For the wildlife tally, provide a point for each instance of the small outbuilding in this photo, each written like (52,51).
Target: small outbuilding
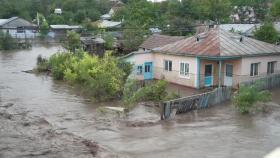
(93,45)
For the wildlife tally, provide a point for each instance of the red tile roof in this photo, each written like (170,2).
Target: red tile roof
(218,42)
(159,40)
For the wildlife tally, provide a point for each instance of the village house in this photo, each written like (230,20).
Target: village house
(60,31)
(19,28)
(212,58)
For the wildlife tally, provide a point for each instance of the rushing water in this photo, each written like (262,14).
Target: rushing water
(218,132)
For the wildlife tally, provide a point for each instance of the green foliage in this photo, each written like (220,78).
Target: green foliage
(109,41)
(44,28)
(7,42)
(102,77)
(54,19)
(218,10)
(133,37)
(155,91)
(275,9)
(247,96)
(267,33)
(72,41)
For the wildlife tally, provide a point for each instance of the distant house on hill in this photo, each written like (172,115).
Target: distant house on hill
(19,28)
(212,58)
(106,24)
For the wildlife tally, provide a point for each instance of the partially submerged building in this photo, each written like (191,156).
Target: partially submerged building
(59,31)
(19,28)
(212,58)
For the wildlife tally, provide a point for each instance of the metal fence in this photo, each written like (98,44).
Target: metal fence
(199,101)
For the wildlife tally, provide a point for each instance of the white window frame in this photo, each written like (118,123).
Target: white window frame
(169,69)
(138,70)
(274,64)
(185,74)
(254,68)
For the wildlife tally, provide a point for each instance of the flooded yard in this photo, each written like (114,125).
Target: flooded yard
(40,117)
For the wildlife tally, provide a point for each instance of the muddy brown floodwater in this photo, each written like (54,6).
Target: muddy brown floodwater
(40,117)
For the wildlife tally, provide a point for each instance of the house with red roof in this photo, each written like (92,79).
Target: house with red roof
(213,58)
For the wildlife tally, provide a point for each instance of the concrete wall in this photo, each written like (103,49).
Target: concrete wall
(241,68)
(236,70)
(158,66)
(263,60)
(174,75)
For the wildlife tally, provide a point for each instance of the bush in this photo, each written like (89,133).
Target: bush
(102,77)
(247,96)
(152,92)
(7,42)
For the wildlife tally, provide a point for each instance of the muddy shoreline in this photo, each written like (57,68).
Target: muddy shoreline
(24,135)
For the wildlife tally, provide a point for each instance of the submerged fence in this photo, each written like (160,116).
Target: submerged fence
(199,101)
(267,82)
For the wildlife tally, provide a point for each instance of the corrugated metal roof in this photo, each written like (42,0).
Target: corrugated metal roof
(156,40)
(65,26)
(108,24)
(218,42)
(5,21)
(242,28)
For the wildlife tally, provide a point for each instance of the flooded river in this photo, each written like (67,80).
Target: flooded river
(40,117)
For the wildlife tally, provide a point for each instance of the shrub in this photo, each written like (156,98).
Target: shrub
(102,77)
(247,96)
(152,92)
(7,42)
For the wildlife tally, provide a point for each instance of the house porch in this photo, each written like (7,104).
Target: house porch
(217,72)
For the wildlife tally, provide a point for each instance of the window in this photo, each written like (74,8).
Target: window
(139,70)
(254,69)
(147,68)
(271,67)
(167,65)
(229,70)
(184,69)
(20,30)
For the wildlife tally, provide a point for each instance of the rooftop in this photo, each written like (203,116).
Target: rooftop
(108,24)
(240,28)
(218,42)
(65,26)
(156,40)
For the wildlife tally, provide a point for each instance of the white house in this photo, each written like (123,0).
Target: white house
(19,28)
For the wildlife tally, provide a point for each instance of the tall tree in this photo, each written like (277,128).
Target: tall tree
(275,9)
(267,33)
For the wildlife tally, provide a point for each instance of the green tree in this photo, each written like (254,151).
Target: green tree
(109,41)
(218,10)
(72,41)
(44,29)
(267,33)
(54,19)
(7,42)
(275,9)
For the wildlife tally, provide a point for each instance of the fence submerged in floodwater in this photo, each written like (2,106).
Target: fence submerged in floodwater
(268,82)
(218,95)
(199,101)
